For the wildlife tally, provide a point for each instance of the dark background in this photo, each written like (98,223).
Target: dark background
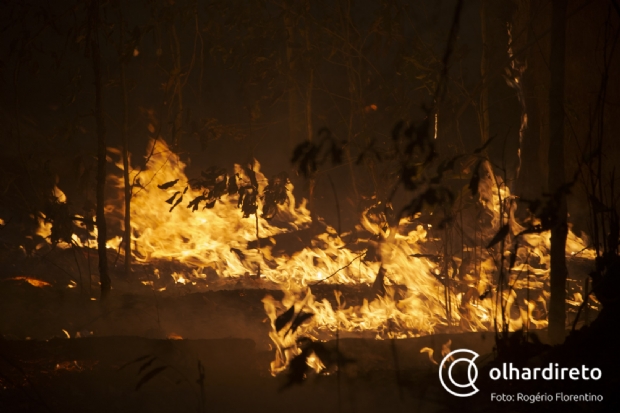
(243,71)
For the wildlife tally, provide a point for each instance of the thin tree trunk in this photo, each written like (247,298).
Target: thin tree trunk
(295,132)
(125,141)
(309,104)
(559,231)
(292,98)
(177,132)
(354,103)
(529,184)
(309,130)
(499,107)
(310,85)
(104,279)
(484,74)
(312,180)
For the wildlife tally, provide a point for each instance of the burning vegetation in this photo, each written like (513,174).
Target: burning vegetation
(227,226)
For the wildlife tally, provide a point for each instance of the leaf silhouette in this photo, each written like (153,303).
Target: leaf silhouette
(484,146)
(501,234)
(247,199)
(194,203)
(485,294)
(150,375)
(305,155)
(299,320)
(168,184)
(171,199)
(139,359)
(176,203)
(239,253)
(275,194)
(300,150)
(378,286)
(232,185)
(447,165)
(284,318)
(252,175)
(298,368)
(475,179)
(308,156)
(147,364)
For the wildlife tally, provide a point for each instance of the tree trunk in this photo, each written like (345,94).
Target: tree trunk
(557,305)
(293,123)
(354,104)
(309,130)
(529,184)
(125,140)
(484,75)
(499,105)
(177,125)
(309,105)
(104,279)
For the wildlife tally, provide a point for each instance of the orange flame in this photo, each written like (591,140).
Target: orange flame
(422,295)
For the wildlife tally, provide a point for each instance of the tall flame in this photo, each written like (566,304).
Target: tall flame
(202,239)
(419,292)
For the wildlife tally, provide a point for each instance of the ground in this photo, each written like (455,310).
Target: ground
(143,351)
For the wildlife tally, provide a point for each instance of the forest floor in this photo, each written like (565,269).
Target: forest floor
(132,374)
(62,350)
(98,375)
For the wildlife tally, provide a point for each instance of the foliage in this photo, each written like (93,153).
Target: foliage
(308,156)
(216,183)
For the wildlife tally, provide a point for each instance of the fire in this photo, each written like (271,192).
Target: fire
(205,240)
(32,281)
(419,295)
(414,289)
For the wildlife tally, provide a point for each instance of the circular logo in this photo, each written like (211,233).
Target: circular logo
(472,373)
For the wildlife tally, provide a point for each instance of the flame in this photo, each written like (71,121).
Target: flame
(59,195)
(205,240)
(430,353)
(32,281)
(422,291)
